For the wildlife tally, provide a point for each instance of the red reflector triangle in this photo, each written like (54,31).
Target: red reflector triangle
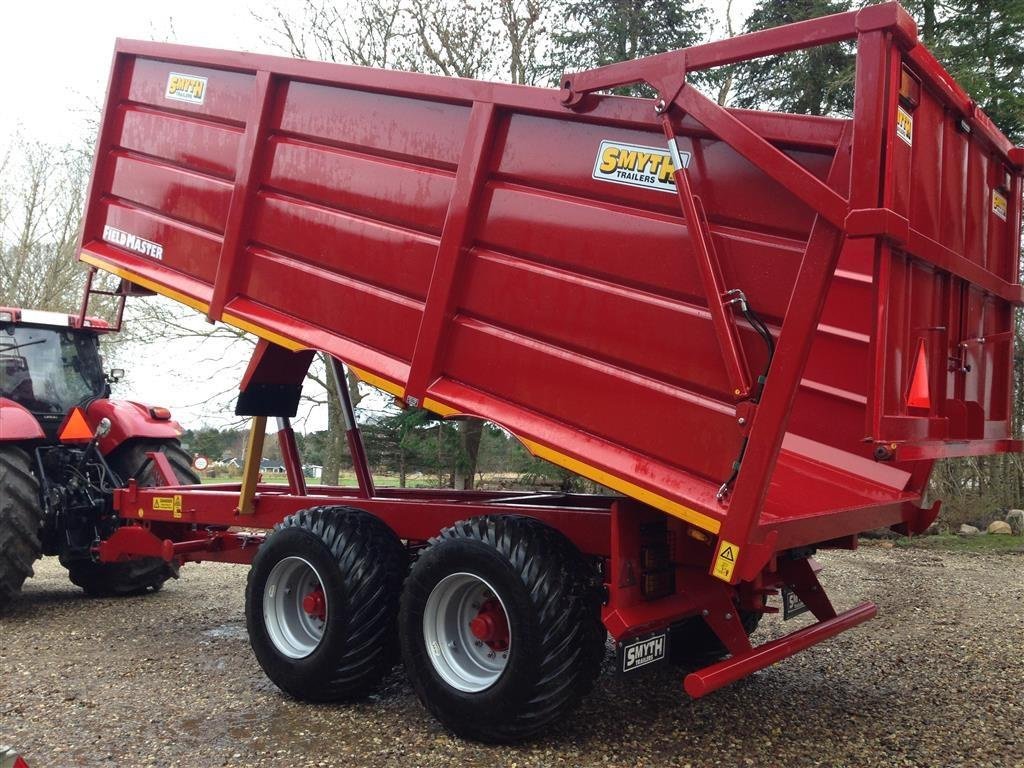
(75,427)
(919,396)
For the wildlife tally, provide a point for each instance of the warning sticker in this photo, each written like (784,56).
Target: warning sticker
(905,126)
(726,560)
(999,204)
(637,166)
(170,504)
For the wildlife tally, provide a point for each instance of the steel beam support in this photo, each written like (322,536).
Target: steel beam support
(709,679)
(290,456)
(792,351)
(249,164)
(251,466)
(455,236)
(353,437)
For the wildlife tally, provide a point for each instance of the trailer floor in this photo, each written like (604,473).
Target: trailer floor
(168,680)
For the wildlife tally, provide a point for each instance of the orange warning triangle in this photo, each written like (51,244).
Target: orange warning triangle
(727,554)
(919,397)
(75,428)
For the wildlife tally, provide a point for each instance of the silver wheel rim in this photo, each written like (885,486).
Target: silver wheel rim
(457,655)
(293,630)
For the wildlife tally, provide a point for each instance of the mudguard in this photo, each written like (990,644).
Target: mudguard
(17,423)
(128,420)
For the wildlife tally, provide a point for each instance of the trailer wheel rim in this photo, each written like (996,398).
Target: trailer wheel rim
(295,607)
(467,644)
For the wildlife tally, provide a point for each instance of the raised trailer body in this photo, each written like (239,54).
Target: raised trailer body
(760,328)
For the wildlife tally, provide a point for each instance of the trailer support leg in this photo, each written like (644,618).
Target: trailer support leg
(290,456)
(352,434)
(251,468)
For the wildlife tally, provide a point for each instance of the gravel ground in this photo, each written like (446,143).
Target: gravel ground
(169,680)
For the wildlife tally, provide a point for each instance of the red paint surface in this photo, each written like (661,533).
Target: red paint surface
(16,423)
(448,236)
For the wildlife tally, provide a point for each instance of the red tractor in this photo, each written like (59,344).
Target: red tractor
(56,488)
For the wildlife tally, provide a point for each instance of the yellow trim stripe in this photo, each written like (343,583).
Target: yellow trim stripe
(673,508)
(439,408)
(124,274)
(263,333)
(197,305)
(548,454)
(606,479)
(376,381)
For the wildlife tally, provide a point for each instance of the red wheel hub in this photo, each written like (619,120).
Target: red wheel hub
(490,625)
(315,604)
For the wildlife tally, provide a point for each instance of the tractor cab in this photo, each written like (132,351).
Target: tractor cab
(50,362)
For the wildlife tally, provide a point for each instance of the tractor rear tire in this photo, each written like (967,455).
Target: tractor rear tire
(321,603)
(500,627)
(127,460)
(20,518)
(147,574)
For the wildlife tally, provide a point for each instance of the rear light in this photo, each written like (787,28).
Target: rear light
(910,89)
(658,584)
(919,396)
(160,414)
(6,317)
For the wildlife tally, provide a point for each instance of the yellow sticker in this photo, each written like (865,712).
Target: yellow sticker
(725,563)
(188,88)
(999,204)
(637,166)
(905,126)
(170,504)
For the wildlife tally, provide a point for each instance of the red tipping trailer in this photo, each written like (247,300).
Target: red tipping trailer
(761,328)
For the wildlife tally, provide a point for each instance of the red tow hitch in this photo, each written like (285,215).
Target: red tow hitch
(315,604)
(490,625)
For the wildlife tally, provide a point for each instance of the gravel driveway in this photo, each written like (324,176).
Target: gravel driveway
(169,680)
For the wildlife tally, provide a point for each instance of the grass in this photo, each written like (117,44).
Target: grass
(948,542)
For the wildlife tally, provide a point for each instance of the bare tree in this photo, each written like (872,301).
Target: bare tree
(456,40)
(41,196)
(522,21)
(375,33)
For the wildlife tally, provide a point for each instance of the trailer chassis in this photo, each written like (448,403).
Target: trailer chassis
(225,523)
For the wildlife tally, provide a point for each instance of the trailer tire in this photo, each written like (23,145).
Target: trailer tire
(553,638)
(357,564)
(142,575)
(20,518)
(692,642)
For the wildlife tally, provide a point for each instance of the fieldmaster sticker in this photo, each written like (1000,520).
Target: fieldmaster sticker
(637,166)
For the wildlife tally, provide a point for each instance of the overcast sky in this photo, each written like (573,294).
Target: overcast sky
(55,58)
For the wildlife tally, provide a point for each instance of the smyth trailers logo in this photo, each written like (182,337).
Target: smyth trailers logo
(188,88)
(637,166)
(642,652)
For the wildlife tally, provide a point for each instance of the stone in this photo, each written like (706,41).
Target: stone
(1015,517)
(1000,527)
(968,530)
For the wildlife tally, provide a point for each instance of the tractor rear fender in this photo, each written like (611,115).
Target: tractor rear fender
(17,423)
(130,420)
